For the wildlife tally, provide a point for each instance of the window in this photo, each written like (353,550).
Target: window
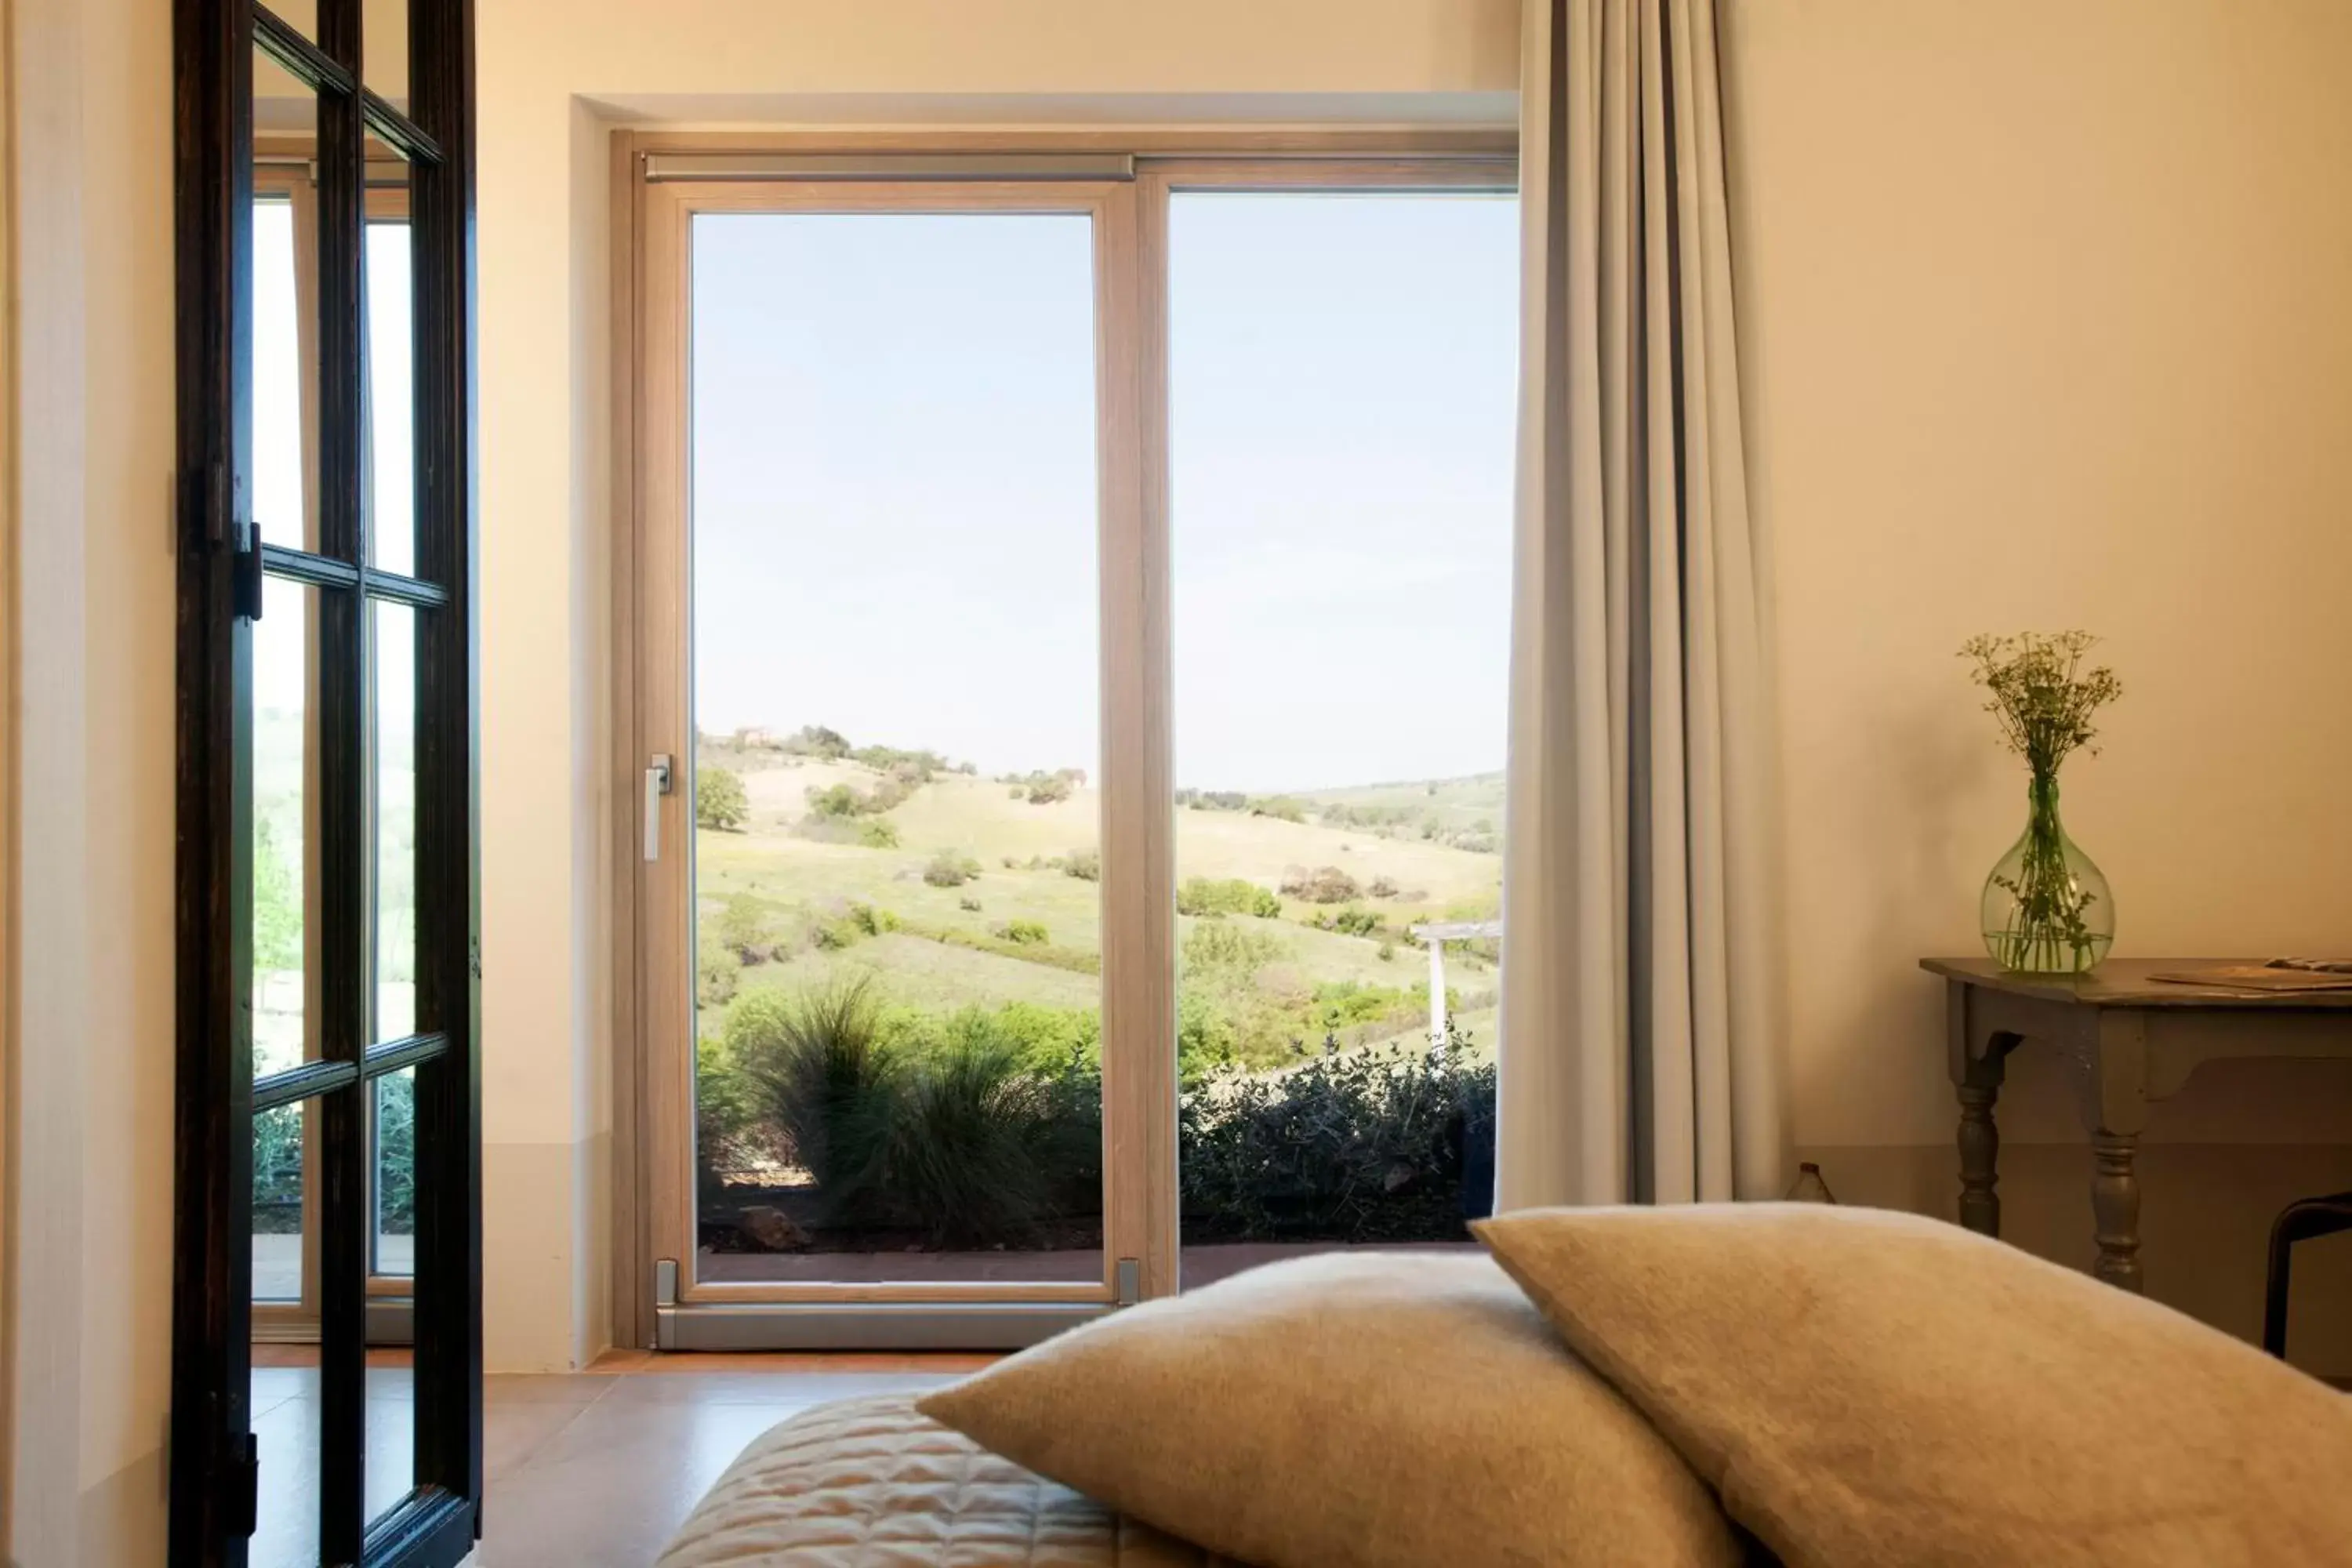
(1070,649)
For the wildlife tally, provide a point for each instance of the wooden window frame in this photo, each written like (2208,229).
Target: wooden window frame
(653,1185)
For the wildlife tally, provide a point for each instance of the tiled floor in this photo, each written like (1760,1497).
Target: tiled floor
(588,1468)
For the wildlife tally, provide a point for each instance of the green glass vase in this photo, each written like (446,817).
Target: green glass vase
(2047,908)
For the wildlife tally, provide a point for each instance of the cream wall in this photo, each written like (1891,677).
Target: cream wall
(89,1016)
(2043,325)
(2046,321)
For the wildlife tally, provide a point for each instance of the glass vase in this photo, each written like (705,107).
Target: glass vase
(2046,907)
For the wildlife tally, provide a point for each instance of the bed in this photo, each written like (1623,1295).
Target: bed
(871,1483)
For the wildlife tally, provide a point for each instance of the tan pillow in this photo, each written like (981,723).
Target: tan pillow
(1385,1408)
(1871,1388)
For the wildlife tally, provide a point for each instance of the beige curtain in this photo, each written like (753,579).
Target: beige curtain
(1639,1057)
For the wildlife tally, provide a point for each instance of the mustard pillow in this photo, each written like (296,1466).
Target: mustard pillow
(1397,1410)
(1862,1386)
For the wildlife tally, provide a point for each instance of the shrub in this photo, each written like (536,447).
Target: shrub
(871,921)
(836,800)
(1049,790)
(960,1159)
(1279,807)
(908,767)
(940,1124)
(816,740)
(1024,933)
(744,929)
(278,1171)
(1071,959)
(878,834)
(969,905)
(720,801)
(395,1153)
(820,1077)
(1050,1038)
(1086,864)
(950,869)
(1214,952)
(1382,888)
(1228,896)
(977,1128)
(728,1133)
(1356,921)
(1212,799)
(1324,885)
(1345,1004)
(842,801)
(1351,1147)
(717,972)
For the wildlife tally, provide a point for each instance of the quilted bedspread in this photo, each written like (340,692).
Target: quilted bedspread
(869,1483)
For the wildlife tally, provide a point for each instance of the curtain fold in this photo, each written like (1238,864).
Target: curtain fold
(1639,1042)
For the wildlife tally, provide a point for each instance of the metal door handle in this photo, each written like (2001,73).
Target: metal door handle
(657,785)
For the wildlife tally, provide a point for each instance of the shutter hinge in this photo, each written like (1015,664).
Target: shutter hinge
(205,507)
(1130,1281)
(245,574)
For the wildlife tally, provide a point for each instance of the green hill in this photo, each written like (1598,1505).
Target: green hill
(954,890)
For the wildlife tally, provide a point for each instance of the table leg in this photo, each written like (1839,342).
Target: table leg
(1976,1068)
(2114,1206)
(1980,1158)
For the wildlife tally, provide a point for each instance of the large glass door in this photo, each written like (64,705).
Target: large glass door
(890,533)
(1070,623)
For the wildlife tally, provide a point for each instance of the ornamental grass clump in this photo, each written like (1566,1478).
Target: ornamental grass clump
(2046,908)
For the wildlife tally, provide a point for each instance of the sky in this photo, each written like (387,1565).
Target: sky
(893,483)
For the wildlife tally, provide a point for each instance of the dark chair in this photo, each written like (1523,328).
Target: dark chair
(2299,1221)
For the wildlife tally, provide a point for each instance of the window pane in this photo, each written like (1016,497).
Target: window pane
(285,824)
(897,926)
(394,1238)
(278,1161)
(391,1372)
(392,408)
(284,397)
(1343,378)
(392,813)
(285,1416)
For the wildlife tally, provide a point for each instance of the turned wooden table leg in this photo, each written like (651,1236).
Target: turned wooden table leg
(1980,1158)
(2115,1207)
(1976,1066)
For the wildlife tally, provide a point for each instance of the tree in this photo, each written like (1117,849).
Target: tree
(719,799)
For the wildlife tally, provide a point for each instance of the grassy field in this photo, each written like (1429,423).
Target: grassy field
(1024,930)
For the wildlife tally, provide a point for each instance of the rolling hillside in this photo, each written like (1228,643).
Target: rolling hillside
(809,897)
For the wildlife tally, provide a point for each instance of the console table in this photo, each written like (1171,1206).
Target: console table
(2127,1041)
